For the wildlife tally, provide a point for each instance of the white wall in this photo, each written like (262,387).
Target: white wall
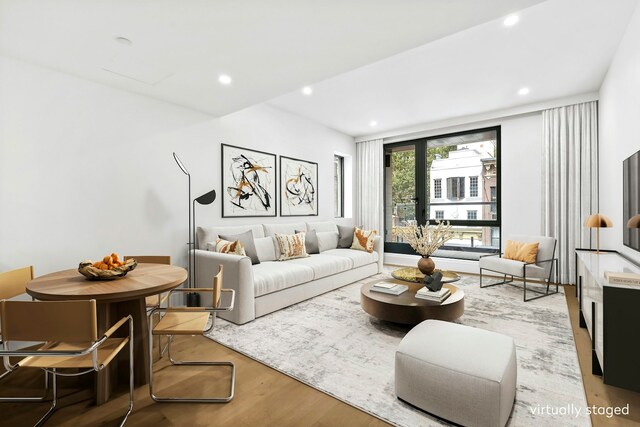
(619,130)
(86,169)
(521,183)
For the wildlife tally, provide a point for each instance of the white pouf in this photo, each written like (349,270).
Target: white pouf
(462,374)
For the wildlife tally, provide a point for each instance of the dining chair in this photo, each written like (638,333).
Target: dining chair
(69,335)
(191,321)
(12,284)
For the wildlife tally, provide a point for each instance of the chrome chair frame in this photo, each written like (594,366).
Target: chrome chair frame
(5,353)
(211,310)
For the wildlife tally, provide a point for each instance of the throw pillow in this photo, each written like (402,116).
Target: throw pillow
(519,251)
(363,239)
(291,246)
(310,241)
(227,247)
(345,236)
(246,239)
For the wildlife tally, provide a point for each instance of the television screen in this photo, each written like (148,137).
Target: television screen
(631,206)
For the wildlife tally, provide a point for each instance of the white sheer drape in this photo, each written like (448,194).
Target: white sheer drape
(570,179)
(369,185)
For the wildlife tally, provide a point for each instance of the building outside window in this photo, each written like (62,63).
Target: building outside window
(439,214)
(338,186)
(437,188)
(472,214)
(473,186)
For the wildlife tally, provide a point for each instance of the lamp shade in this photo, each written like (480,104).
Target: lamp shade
(634,221)
(207,198)
(182,168)
(598,220)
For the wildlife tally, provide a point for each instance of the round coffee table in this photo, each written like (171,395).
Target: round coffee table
(406,308)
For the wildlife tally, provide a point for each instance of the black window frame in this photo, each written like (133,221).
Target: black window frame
(422,189)
(341,198)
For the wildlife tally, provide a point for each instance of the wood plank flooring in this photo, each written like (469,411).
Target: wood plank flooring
(264,397)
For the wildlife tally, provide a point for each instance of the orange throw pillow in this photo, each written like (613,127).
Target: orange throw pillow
(519,251)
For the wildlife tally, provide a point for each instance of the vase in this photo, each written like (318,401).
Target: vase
(426,265)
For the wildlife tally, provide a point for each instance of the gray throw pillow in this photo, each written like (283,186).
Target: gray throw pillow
(345,236)
(311,241)
(246,239)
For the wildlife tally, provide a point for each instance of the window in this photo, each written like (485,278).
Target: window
(455,188)
(338,186)
(437,188)
(473,186)
(453,177)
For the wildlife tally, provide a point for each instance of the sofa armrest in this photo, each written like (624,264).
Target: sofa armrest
(238,275)
(378,246)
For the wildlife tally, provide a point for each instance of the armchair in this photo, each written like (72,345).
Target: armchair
(541,270)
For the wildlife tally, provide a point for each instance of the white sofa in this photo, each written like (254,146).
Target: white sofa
(272,285)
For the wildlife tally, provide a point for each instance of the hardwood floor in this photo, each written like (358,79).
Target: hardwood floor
(264,397)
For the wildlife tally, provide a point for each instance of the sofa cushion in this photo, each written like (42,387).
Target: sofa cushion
(327,240)
(270,277)
(227,247)
(310,241)
(246,239)
(210,234)
(290,228)
(363,240)
(323,226)
(266,248)
(346,236)
(324,265)
(359,258)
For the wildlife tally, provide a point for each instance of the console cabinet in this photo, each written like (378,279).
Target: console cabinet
(611,314)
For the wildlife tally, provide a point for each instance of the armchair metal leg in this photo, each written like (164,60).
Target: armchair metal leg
(54,402)
(161,399)
(504,281)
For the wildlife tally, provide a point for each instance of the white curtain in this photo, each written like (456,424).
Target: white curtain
(570,179)
(369,185)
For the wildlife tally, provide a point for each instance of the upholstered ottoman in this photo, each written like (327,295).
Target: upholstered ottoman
(462,374)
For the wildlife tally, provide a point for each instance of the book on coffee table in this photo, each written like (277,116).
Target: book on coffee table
(389,288)
(437,296)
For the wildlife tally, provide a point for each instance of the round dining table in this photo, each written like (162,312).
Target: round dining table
(115,299)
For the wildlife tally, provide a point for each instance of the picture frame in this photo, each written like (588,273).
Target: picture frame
(248,182)
(298,187)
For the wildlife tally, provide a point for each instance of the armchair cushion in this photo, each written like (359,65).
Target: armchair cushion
(520,251)
(511,267)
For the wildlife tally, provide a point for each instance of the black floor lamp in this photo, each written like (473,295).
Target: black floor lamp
(193,298)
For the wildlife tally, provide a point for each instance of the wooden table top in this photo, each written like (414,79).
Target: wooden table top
(145,280)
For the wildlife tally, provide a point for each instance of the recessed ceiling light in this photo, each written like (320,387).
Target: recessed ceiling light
(373,123)
(307,90)
(224,79)
(123,40)
(523,91)
(511,20)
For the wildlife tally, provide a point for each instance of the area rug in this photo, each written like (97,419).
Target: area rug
(330,343)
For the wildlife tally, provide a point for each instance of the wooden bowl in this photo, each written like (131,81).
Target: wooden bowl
(92,273)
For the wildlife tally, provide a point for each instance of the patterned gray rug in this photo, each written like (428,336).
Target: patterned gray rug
(330,343)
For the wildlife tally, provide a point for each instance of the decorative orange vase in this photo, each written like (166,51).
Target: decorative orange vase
(426,265)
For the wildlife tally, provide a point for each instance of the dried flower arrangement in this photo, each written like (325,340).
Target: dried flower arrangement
(426,239)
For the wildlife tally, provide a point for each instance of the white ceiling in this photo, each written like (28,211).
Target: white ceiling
(268,47)
(398,62)
(558,48)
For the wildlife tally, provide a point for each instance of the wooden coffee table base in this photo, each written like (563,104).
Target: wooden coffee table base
(406,308)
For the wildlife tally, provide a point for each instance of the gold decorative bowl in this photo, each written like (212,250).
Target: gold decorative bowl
(87,269)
